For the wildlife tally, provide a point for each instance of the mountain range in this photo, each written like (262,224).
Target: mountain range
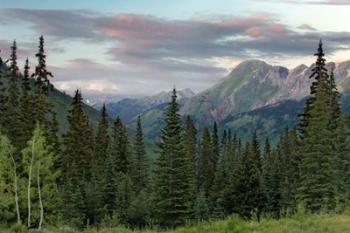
(254,96)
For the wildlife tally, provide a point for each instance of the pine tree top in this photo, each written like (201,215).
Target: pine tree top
(41,74)
(13,60)
(26,83)
(77,97)
(319,69)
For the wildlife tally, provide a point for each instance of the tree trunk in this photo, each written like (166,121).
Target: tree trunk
(29,181)
(40,200)
(16,189)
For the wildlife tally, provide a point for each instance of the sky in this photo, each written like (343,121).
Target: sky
(132,48)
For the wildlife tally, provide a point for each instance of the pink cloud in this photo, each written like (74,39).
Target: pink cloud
(277,28)
(254,32)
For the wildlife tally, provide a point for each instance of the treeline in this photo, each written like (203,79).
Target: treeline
(103,177)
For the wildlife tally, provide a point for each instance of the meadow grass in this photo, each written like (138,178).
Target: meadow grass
(300,223)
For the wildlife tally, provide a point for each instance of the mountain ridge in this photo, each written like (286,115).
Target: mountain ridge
(251,88)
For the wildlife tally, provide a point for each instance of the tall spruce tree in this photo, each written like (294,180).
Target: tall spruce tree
(140,160)
(190,143)
(102,137)
(26,104)
(13,124)
(2,92)
(77,156)
(43,86)
(319,71)
(317,179)
(120,147)
(172,183)
(206,164)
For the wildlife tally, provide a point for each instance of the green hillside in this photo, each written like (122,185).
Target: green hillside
(62,104)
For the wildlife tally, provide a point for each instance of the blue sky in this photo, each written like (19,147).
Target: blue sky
(141,47)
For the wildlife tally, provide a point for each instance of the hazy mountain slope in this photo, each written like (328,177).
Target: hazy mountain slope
(128,109)
(254,95)
(254,84)
(62,103)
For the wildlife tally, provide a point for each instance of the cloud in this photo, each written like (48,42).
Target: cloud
(145,50)
(307,27)
(117,80)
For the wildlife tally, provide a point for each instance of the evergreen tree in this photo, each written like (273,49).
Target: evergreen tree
(247,186)
(26,102)
(53,138)
(77,156)
(102,137)
(2,92)
(289,153)
(124,198)
(9,182)
(319,71)
(110,188)
(119,147)
(43,86)
(172,182)
(256,151)
(190,143)
(201,207)
(93,196)
(73,210)
(317,187)
(342,164)
(12,118)
(206,166)
(334,102)
(140,161)
(272,181)
(42,75)
(216,144)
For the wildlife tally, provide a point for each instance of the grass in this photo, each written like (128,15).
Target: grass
(301,223)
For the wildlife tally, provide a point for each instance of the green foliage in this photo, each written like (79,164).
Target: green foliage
(78,143)
(206,164)
(201,208)
(41,179)
(12,116)
(7,180)
(317,178)
(172,184)
(140,161)
(124,198)
(102,137)
(110,188)
(119,147)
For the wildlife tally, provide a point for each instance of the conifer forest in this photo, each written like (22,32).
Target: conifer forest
(185,116)
(101,175)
